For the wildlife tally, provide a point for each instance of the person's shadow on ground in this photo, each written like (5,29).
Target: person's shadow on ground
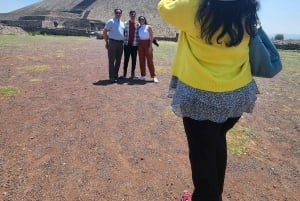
(128,81)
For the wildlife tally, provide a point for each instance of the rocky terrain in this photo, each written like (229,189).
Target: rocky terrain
(12,30)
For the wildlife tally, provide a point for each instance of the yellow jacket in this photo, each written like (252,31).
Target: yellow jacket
(215,67)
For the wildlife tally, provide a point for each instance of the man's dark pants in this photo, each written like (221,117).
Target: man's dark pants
(130,50)
(115,52)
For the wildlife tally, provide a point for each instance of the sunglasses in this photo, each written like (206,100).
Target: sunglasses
(132,14)
(118,13)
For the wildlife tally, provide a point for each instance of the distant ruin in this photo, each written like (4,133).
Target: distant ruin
(287,45)
(70,22)
(53,24)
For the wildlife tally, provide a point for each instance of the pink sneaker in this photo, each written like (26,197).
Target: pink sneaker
(186,196)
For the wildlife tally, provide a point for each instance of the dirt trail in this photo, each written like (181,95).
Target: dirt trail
(64,138)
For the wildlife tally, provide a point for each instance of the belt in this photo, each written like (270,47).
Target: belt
(118,41)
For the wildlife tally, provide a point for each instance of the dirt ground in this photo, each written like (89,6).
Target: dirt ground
(66,138)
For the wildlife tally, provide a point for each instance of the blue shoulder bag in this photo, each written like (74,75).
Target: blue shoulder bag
(264,57)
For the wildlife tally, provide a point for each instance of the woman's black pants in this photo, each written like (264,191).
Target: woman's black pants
(208,156)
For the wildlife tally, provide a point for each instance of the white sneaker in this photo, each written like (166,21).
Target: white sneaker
(155,79)
(142,78)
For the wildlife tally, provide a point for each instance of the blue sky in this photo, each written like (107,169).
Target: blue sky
(10,5)
(277,16)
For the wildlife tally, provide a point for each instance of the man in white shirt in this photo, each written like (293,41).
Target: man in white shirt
(113,35)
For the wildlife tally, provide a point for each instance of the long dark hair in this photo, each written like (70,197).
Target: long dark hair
(232,17)
(140,17)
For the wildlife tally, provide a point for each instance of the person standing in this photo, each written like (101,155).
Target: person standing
(212,81)
(113,35)
(145,49)
(130,43)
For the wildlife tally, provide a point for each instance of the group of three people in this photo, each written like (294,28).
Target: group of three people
(132,37)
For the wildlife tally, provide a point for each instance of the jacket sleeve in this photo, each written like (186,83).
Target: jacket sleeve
(179,13)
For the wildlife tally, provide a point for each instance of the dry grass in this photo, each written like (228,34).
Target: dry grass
(8,91)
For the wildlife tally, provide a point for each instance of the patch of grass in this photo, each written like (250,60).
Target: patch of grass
(165,51)
(35,80)
(24,57)
(290,59)
(172,119)
(59,53)
(28,40)
(168,113)
(291,62)
(290,73)
(163,69)
(34,33)
(66,67)
(18,41)
(8,91)
(240,141)
(35,68)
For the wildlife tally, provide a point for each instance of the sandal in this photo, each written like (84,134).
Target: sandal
(186,196)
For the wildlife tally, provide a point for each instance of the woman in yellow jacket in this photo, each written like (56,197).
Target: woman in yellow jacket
(212,81)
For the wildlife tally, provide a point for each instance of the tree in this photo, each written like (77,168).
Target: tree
(279,37)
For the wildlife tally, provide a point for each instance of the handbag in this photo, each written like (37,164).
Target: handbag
(155,42)
(264,58)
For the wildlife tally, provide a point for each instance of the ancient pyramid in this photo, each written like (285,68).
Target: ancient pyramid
(78,17)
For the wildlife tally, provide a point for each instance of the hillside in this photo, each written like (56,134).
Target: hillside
(90,10)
